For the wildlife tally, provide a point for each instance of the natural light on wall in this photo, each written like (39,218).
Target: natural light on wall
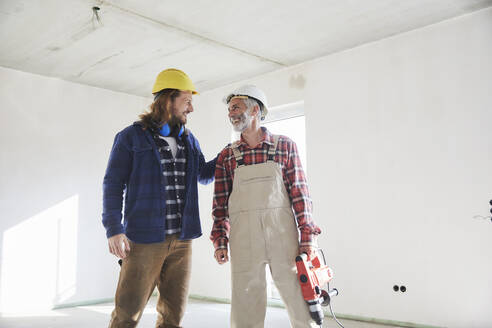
(39,260)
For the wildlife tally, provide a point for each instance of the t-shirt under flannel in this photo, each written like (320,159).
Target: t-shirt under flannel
(174,171)
(294,179)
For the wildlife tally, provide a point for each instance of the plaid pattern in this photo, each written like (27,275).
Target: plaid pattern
(174,171)
(134,178)
(294,179)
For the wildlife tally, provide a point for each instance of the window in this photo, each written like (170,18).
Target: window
(289,120)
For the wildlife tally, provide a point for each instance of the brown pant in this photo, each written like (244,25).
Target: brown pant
(166,265)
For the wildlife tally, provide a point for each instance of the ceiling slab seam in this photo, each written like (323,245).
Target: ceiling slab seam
(192,34)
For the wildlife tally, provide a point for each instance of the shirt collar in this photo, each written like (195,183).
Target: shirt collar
(267,138)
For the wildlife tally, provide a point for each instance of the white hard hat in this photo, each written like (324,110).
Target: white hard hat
(251,91)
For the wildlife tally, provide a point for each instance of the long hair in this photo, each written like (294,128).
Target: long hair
(160,109)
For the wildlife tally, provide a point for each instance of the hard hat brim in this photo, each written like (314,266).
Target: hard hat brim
(172,78)
(228,98)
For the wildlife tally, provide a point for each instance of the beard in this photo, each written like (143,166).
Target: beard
(177,118)
(175,121)
(244,121)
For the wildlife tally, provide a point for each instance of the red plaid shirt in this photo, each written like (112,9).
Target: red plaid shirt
(294,180)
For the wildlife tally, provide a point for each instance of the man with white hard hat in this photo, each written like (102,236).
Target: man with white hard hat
(260,194)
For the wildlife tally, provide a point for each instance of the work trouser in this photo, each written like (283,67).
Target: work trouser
(166,265)
(263,230)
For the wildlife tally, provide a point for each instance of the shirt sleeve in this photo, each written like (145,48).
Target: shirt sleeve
(299,196)
(220,213)
(114,183)
(205,169)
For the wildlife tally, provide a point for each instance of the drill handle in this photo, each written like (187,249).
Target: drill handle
(315,262)
(327,295)
(302,257)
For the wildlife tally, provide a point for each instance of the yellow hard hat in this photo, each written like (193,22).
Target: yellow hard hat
(173,79)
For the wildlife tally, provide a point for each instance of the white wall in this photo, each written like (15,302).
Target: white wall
(398,142)
(55,140)
(399,151)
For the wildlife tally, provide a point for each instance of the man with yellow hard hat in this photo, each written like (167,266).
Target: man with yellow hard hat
(153,169)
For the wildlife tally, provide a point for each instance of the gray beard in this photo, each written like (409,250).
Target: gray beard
(245,122)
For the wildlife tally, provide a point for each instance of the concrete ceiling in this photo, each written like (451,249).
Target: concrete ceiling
(216,42)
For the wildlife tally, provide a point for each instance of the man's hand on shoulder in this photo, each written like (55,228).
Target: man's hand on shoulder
(119,245)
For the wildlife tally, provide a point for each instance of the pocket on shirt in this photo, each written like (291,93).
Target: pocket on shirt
(143,157)
(142,152)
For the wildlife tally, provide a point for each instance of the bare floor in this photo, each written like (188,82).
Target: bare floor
(199,314)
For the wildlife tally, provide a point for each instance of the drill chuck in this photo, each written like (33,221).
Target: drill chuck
(316,311)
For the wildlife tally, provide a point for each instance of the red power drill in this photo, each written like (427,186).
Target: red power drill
(312,276)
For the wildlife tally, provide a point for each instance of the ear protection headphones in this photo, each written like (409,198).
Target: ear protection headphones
(165,131)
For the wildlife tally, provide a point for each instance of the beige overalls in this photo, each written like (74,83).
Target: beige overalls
(263,230)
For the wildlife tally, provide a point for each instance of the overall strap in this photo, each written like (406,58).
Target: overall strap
(237,154)
(273,149)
